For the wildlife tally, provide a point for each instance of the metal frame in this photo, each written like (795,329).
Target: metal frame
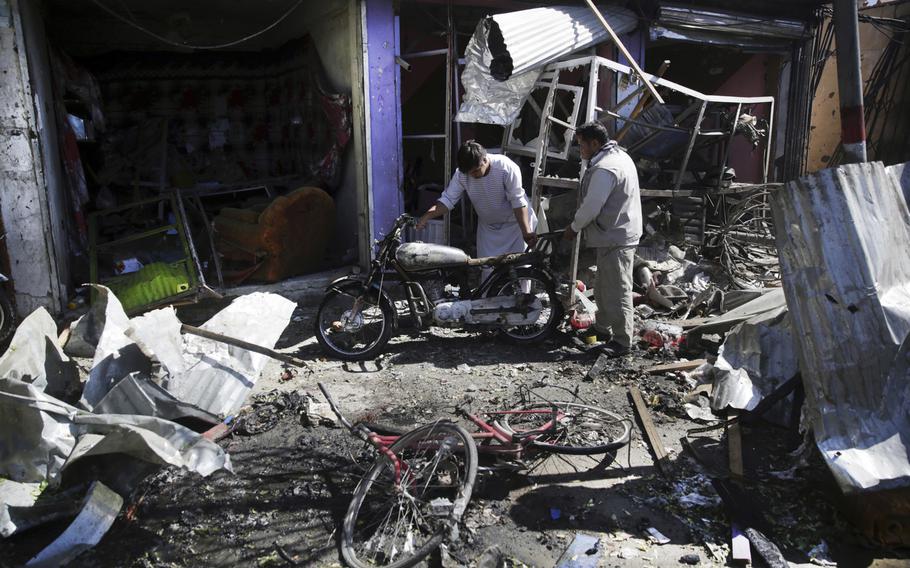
(509,143)
(550,78)
(197,284)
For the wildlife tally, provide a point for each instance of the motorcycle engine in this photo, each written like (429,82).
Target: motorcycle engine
(520,309)
(434,289)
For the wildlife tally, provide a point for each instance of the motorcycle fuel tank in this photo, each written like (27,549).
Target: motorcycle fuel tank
(422,256)
(521,309)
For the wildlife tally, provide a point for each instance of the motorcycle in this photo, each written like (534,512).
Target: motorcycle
(357,316)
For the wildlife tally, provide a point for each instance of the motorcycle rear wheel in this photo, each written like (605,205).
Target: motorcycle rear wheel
(542,286)
(359,336)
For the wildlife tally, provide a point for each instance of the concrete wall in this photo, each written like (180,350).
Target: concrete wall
(48,138)
(824,130)
(329,24)
(23,197)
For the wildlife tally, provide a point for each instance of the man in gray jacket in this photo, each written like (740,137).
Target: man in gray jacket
(610,219)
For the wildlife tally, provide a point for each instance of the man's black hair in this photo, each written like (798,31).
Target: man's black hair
(470,155)
(593,131)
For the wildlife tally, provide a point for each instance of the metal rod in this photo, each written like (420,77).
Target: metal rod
(642,102)
(211,236)
(450,59)
(543,137)
(243,345)
(189,236)
(850,80)
(428,53)
(723,163)
(769,144)
(695,128)
(622,49)
(590,114)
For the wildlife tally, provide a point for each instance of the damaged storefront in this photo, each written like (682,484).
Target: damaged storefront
(184,150)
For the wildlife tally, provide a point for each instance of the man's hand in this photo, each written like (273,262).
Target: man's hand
(421,223)
(569,234)
(530,238)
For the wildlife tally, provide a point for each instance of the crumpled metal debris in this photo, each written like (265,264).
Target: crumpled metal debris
(140,395)
(27,505)
(116,355)
(33,356)
(218,376)
(210,375)
(848,293)
(41,436)
(524,42)
(98,514)
(757,357)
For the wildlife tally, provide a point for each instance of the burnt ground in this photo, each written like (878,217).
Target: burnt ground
(293,479)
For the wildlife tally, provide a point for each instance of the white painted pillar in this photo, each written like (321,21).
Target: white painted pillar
(24,214)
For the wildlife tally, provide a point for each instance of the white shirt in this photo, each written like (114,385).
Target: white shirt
(494,196)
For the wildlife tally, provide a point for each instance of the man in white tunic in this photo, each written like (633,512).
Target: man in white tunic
(610,218)
(505,223)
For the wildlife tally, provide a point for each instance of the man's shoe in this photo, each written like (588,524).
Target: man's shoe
(613,349)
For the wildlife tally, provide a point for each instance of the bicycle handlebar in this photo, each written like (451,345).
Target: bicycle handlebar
(325,392)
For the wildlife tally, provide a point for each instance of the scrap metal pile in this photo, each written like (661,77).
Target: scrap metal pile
(150,394)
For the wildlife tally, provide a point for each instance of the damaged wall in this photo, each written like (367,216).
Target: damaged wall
(824,134)
(332,38)
(24,208)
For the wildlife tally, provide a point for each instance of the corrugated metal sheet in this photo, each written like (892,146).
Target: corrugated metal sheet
(528,39)
(843,236)
(517,45)
(725,26)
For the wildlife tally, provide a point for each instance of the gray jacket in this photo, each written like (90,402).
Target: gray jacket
(610,211)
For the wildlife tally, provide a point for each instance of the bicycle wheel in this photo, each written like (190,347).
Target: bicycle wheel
(579,429)
(351,326)
(530,283)
(399,525)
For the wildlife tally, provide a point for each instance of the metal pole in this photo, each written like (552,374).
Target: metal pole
(450,62)
(850,81)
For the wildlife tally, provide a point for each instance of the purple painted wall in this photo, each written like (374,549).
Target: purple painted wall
(383,118)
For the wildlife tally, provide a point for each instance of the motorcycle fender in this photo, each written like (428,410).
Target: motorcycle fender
(340,283)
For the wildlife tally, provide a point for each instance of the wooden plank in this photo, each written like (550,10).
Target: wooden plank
(687,323)
(677,366)
(740,551)
(651,435)
(622,49)
(735,446)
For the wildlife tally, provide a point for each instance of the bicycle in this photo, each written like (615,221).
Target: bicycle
(418,488)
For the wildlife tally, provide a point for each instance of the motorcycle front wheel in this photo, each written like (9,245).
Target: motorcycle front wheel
(353,326)
(536,283)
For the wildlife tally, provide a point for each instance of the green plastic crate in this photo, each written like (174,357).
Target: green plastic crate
(153,283)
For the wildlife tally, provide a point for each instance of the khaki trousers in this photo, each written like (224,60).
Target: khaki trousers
(613,293)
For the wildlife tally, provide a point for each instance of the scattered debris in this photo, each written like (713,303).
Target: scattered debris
(690,559)
(583,552)
(674,367)
(98,514)
(820,555)
(597,369)
(657,536)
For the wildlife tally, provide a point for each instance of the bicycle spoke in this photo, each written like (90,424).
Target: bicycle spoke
(395,523)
